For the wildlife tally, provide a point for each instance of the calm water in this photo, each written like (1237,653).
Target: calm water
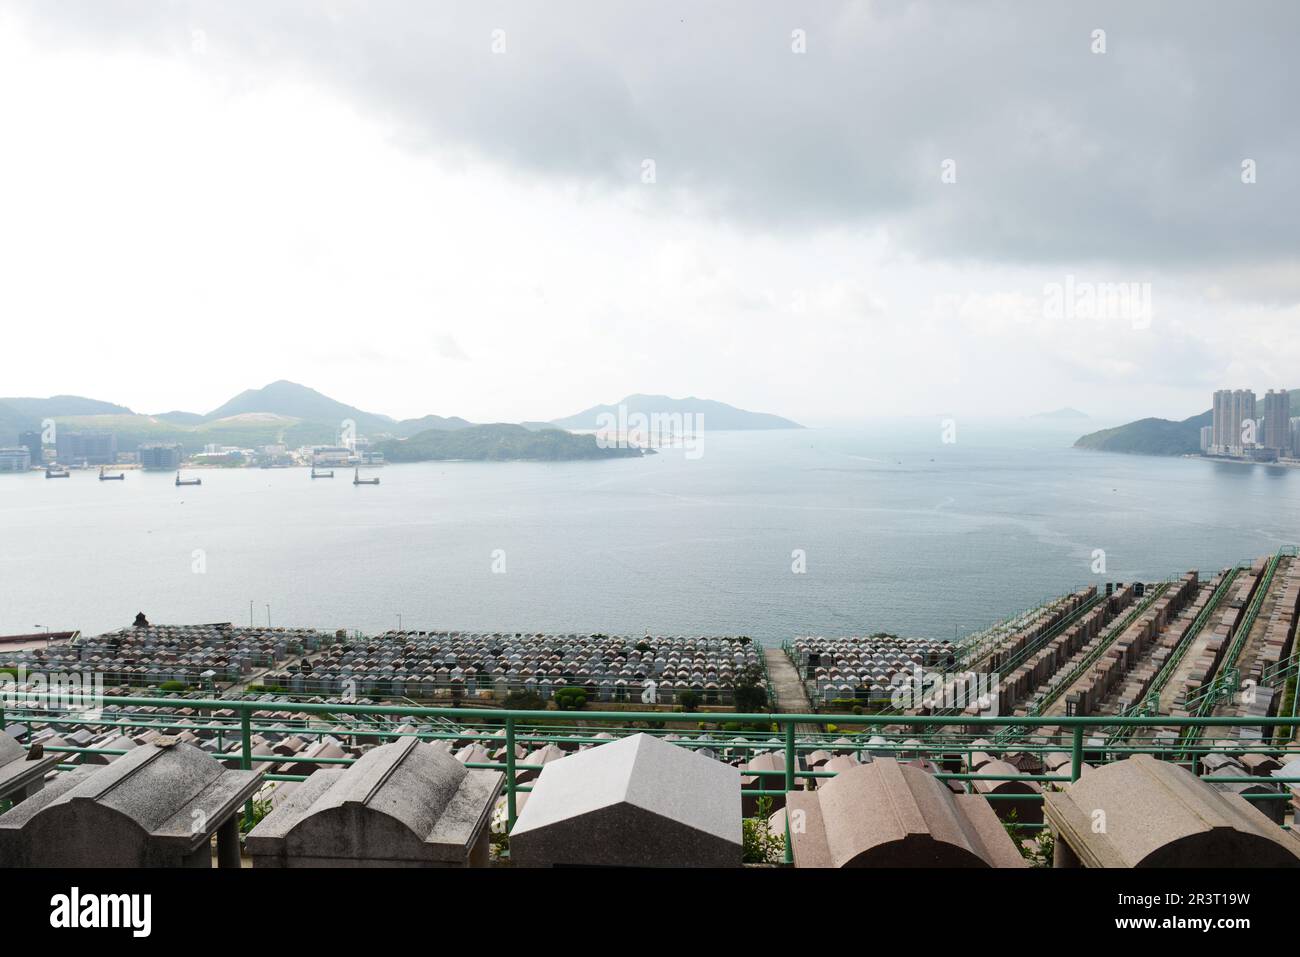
(901,533)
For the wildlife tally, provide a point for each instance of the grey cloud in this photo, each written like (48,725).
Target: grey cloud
(1063,156)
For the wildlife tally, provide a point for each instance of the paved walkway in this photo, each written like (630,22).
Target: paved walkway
(791,698)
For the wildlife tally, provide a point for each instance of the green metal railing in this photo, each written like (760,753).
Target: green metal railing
(512,729)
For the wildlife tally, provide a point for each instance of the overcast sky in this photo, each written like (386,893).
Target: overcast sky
(444,208)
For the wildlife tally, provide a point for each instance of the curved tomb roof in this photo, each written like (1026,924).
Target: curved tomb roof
(1159,814)
(887,814)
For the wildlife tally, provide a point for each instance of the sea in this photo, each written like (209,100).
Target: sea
(906,527)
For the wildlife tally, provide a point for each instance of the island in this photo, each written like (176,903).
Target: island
(500,442)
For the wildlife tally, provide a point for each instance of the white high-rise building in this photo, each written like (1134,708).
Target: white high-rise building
(1242,429)
(1277,421)
(1222,411)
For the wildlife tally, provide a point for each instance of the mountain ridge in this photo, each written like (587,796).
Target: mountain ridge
(715,415)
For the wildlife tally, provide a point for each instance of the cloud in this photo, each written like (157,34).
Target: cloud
(448,348)
(1062,154)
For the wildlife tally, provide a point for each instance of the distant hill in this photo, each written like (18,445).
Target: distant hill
(180,418)
(1149,437)
(242,431)
(299,402)
(499,442)
(19,415)
(56,405)
(427,422)
(12,422)
(1062,413)
(287,413)
(1159,436)
(716,415)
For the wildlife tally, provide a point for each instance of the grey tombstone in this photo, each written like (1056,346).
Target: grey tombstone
(21,776)
(405,804)
(157,806)
(636,802)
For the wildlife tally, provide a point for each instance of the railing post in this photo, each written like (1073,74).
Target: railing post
(789,756)
(510,774)
(1076,754)
(246,753)
(789,786)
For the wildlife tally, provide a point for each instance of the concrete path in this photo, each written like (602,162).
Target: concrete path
(791,698)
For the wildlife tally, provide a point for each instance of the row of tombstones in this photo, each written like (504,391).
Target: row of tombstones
(429,810)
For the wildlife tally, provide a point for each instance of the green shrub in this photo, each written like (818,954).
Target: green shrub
(1037,849)
(760,845)
(571,699)
(260,810)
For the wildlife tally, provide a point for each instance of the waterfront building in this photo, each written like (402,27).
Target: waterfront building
(325,456)
(1243,408)
(1231,410)
(15,459)
(1219,429)
(157,455)
(1277,421)
(92,448)
(32,442)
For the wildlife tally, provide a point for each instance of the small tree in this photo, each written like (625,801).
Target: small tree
(749,691)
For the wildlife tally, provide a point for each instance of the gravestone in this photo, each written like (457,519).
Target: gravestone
(157,806)
(405,804)
(1159,814)
(636,802)
(885,814)
(22,772)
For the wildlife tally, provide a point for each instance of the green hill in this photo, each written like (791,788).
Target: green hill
(498,443)
(1149,437)
(1159,436)
(57,405)
(299,402)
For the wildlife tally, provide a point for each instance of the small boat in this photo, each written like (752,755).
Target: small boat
(181,481)
(118,477)
(56,472)
(358,480)
(315,474)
